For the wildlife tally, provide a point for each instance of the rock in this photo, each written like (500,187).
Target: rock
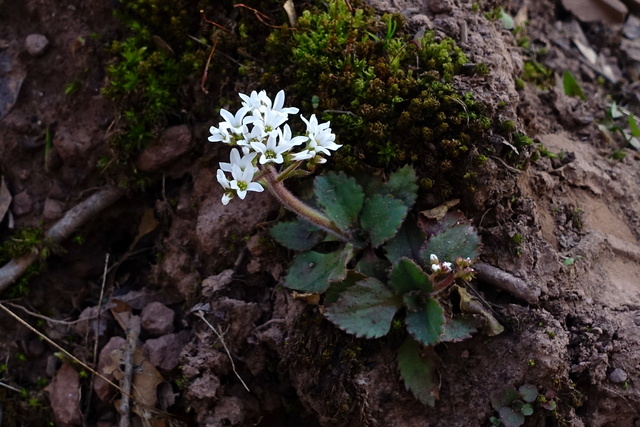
(608,12)
(103,390)
(53,210)
(22,204)
(36,44)
(157,319)
(64,395)
(440,6)
(164,352)
(173,143)
(618,376)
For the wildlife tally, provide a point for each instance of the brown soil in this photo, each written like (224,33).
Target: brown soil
(175,244)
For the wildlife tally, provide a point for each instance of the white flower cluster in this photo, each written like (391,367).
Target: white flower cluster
(258,128)
(439,267)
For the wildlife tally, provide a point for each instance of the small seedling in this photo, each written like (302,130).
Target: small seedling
(571,86)
(514,405)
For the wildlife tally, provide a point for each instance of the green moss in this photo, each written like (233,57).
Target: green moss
(390,99)
(536,73)
(149,67)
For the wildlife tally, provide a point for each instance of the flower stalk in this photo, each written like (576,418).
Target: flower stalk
(297,206)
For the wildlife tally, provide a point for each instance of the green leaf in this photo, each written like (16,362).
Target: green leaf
(458,328)
(426,325)
(571,86)
(336,288)
(372,265)
(461,240)
(433,226)
(341,197)
(381,217)
(529,392)
(633,126)
(312,271)
(406,243)
(365,309)
(296,235)
(407,276)
(417,367)
(527,409)
(403,185)
(510,418)
(507,20)
(505,398)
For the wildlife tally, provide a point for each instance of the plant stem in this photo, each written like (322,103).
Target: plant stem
(297,206)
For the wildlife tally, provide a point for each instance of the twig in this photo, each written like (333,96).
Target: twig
(66,353)
(69,223)
(233,365)
(206,72)
(10,387)
(507,282)
(97,330)
(511,168)
(133,331)
(49,319)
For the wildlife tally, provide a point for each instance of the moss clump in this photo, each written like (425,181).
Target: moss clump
(149,67)
(389,95)
(536,73)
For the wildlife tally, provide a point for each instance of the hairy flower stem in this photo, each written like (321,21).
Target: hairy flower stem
(297,206)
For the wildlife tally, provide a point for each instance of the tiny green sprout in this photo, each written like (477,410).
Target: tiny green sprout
(531,363)
(618,154)
(72,88)
(34,402)
(571,86)
(24,393)
(626,385)
(21,357)
(519,83)
(551,334)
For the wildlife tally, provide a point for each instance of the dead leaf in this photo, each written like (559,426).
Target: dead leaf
(5,198)
(439,212)
(123,314)
(145,379)
(472,305)
(309,298)
(291,12)
(522,16)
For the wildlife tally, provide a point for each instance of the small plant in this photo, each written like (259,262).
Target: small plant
(514,405)
(571,86)
(358,245)
(614,122)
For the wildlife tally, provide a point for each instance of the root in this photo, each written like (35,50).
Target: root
(507,282)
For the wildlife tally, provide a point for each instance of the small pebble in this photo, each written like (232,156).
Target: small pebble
(618,376)
(36,44)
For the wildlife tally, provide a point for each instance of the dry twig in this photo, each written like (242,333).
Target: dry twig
(69,223)
(507,282)
(233,365)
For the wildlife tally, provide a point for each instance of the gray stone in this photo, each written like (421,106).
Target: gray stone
(53,210)
(618,376)
(36,44)
(174,142)
(164,352)
(22,203)
(157,319)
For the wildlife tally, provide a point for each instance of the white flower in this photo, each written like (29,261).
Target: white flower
(446,266)
(320,137)
(235,123)
(242,181)
(434,259)
(270,152)
(256,134)
(436,268)
(220,134)
(285,137)
(243,162)
(256,101)
(303,155)
(224,182)
(278,104)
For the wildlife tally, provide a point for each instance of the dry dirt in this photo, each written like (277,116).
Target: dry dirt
(177,254)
